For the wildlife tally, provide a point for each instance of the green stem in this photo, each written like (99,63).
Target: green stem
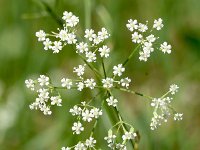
(87,5)
(131,55)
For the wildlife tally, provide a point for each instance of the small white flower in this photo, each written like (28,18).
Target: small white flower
(75,110)
(110,138)
(108,82)
(165,48)
(136,38)
(151,38)
(65,148)
(79,70)
(87,116)
(70,19)
(104,51)
(71,38)
(89,34)
(47,44)
(67,15)
(80,146)
(144,55)
(158,24)
(125,82)
(30,84)
(90,83)
(91,57)
(97,40)
(65,82)
(77,127)
(43,93)
(112,101)
(43,80)
(129,136)
(47,111)
(41,35)
(178,116)
(63,35)
(56,100)
(80,86)
(82,47)
(132,25)
(173,89)
(147,46)
(103,34)
(90,142)
(118,70)
(96,112)
(57,47)
(142,27)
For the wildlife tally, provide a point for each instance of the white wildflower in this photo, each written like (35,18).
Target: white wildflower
(118,70)
(65,82)
(96,112)
(75,110)
(63,35)
(136,38)
(108,82)
(82,47)
(77,127)
(125,82)
(132,25)
(173,89)
(104,51)
(56,100)
(91,57)
(165,48)
(142,27)
(103,34)
(47,44)
(151,38)
(90,142)
(112,101)
(90,83)
(57,46)
(80,146)
(80,86)
(128,136)
(178,116)
(158,24)
(86,115)
(41,35)
(43,80)
(79,70)
(30,84)
(89,34)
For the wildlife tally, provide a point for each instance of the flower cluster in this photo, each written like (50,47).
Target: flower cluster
(146,41)
(45,98)
(163,109)
(84,112)
(92,48)
(87,144)
(120,143)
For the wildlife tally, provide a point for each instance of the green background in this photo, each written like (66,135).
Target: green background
(22,57)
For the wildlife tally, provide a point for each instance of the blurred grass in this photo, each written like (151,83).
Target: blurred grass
(23,57)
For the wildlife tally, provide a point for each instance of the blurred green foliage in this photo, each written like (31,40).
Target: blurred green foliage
(22,57)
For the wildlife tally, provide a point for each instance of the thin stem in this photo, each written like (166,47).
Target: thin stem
(131,55)
(104,70)
(134,92)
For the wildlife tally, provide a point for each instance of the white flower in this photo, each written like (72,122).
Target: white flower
(86,115)
(80,146)
(91,57)
(70,19)
(128,136)
(47,44)
(41,35)
(97,40)
(65,148)
(75,110)
(30,84)
(56,100)
(158,24)
(151,38)
(47,111)
(103,34)
(108,82)
(89,34)
(112,101)
(79,70)
(57,46)
(77,128)
(43,80)
(71,38)
(125,82)
(82,47)
(96,112)
(147,46)
(165,48)
(173,89)
(118,70)
(43,93)
(132,25)
(90,142)
(136,38)
(104,51)
(90,83)
(110,138)
(80,86)
(65,82)
(144,55)
(63,35)
(142,27)
(178,116)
